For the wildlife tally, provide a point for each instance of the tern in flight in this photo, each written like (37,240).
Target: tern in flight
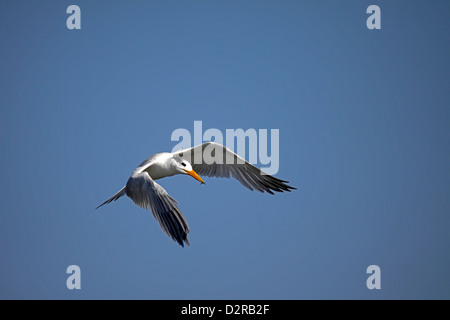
(222,162)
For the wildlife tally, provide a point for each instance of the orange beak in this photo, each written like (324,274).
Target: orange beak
(194,175)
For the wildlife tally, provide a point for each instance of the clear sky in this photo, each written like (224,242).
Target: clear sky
(363,117)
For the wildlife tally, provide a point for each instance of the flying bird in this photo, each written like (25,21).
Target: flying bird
(208,159)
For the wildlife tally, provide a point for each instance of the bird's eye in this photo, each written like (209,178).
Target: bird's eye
(183,164)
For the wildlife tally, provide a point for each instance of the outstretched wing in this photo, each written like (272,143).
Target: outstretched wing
(214,160)
(147,194)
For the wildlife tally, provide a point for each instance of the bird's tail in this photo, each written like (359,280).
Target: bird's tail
(114,197)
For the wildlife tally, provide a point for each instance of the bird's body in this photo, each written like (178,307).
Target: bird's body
(157,166)
(209,159)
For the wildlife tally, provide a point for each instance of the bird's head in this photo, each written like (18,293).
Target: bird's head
(183,166)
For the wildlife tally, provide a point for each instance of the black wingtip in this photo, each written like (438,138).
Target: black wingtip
(182,241)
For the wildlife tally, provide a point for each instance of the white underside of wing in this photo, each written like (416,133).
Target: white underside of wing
(149,195)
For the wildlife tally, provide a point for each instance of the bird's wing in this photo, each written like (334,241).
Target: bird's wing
(214,160)
(147,194)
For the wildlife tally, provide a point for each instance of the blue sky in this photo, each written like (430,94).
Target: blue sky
(364,135)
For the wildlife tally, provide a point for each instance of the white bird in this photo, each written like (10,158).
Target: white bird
(217,161)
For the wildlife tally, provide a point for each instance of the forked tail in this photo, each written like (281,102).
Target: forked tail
(114,197)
